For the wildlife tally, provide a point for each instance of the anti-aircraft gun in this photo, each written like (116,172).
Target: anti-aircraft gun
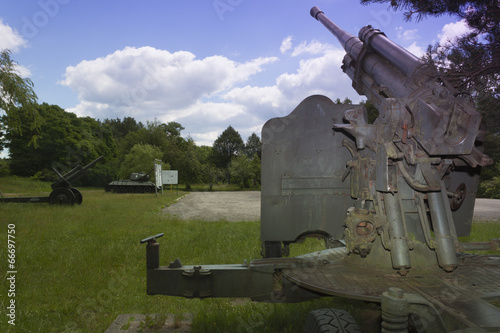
(63,193)
(390,198)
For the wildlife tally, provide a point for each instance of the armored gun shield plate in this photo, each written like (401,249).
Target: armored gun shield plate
(303,162)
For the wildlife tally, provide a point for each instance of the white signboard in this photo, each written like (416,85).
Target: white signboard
(170,177)
(158,174)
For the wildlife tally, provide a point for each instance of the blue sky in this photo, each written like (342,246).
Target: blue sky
(205,64)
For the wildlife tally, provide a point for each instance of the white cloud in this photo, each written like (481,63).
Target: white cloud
(453,30)
(148,83)
(407,35)
(317,75)
(286,44)
(10,39)
(204,95)
(135,77)
(416,50)
(313,47)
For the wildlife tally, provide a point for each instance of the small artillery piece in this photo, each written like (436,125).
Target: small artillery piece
(63,193)
(390,199)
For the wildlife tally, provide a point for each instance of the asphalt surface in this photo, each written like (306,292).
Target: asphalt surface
(217,206)
(487,209)
(245,206)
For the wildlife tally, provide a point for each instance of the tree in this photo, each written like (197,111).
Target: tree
(345,101)
(188,165)
(241,170)
(228,145)
(253,146)
(16,92)
(140,159)
(371,110)
(120,128)
(64,141)
(472,62)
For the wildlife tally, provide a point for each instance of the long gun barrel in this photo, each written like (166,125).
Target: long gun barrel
(76,172)
(403,60)
(431,111)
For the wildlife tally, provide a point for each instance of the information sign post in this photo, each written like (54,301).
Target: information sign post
(158,176)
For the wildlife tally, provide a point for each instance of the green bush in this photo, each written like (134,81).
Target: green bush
(4,168)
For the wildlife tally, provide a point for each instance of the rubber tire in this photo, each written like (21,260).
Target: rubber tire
(78,195)
(330,321)
(62,196)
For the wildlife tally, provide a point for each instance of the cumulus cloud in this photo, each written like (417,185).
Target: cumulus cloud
(204,95)
(415,49)
(453,30)
(134,77)
(313,47)
(407,35)
(10,39)
(286,44)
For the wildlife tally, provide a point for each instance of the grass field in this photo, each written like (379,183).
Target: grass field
(79,267)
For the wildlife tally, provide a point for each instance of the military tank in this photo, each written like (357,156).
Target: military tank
(138,182)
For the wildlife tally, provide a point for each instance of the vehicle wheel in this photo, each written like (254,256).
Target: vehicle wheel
(107,188)
(62,196)
(147,189)
(78,195)
(139,189)
(330,321)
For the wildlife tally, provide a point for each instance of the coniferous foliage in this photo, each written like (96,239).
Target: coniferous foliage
(228,145)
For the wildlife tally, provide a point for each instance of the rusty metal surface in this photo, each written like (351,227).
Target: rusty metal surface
(461,295)
(331,274)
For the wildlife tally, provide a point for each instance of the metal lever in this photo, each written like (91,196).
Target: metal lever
(152,251)
(152,238)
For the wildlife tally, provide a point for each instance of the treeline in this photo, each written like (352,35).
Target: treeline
(62,140)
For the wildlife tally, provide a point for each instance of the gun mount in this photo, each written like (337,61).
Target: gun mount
(63,193)
(390,198)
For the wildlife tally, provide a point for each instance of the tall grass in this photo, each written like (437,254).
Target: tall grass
(79,267)
(11,185)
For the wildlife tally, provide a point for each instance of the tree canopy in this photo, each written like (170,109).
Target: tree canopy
(16,92)
(471,62)
(64,141)
(228,145)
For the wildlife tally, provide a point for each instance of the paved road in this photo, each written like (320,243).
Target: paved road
(218,206)
(488,209)
(245,206)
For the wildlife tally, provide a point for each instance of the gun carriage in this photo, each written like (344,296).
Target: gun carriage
(63,193)
(390,198)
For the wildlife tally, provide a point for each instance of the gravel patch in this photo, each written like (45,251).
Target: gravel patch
(245,206)
(217,206)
